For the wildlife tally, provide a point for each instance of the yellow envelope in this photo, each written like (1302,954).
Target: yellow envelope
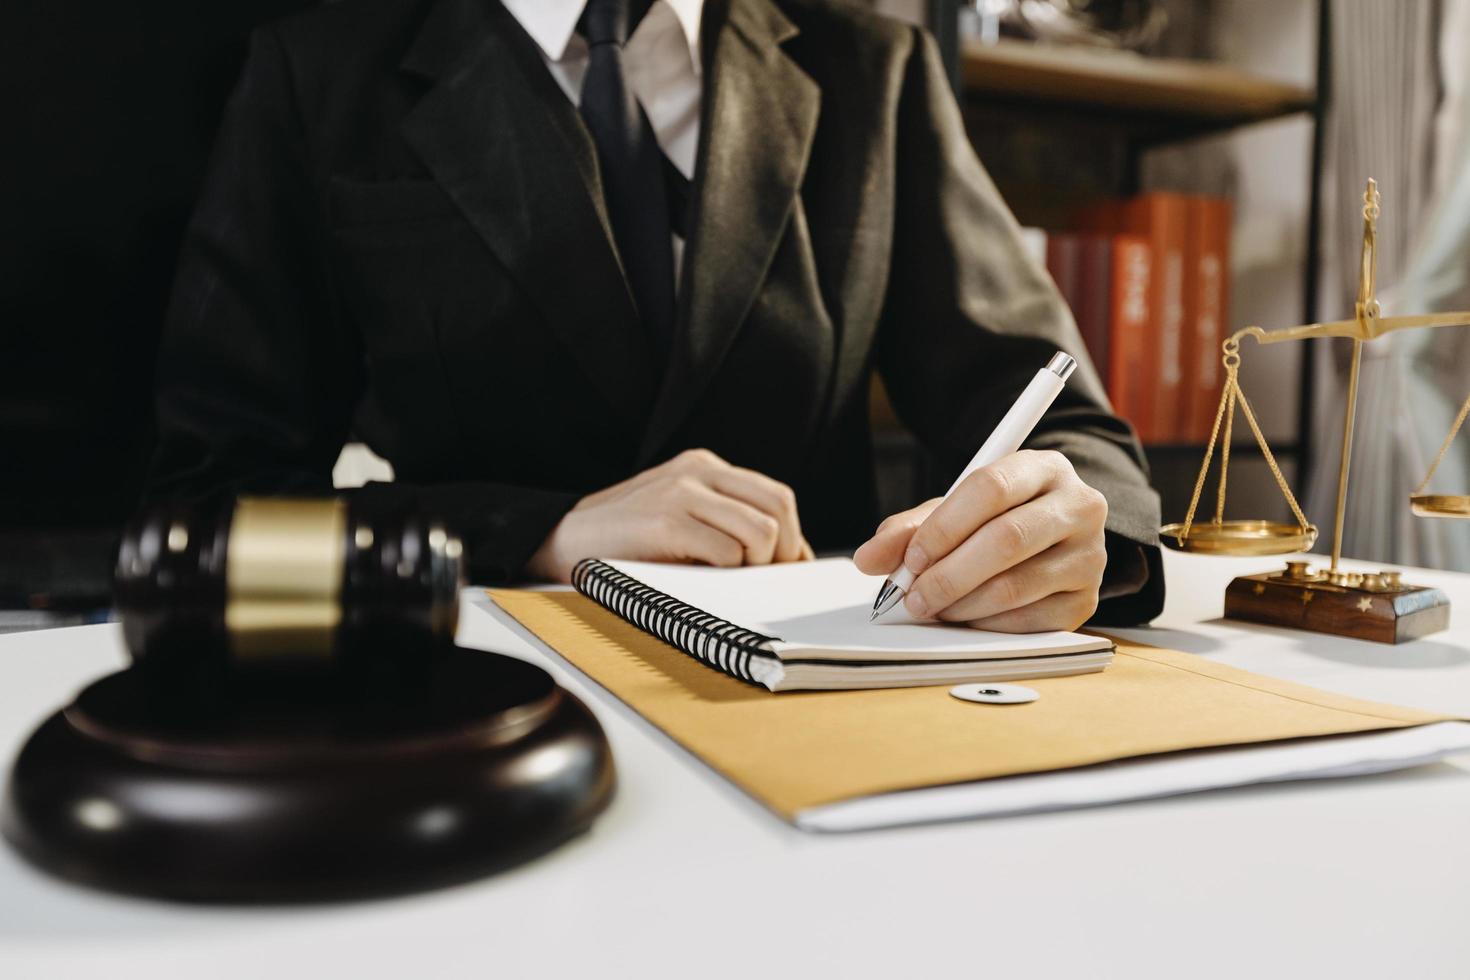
(799,750)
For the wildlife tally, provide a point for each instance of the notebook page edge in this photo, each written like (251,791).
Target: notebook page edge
(805,651)
(861,678)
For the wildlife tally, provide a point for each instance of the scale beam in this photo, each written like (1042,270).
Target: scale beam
(1367,329)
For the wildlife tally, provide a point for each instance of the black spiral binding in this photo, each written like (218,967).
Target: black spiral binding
(708,638)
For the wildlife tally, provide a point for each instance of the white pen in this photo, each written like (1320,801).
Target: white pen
(1006,439)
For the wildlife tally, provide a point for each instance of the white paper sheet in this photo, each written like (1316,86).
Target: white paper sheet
(1139,779)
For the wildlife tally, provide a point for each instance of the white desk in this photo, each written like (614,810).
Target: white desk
(684,876)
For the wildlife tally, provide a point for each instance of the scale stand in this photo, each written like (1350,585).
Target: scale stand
(1368,606)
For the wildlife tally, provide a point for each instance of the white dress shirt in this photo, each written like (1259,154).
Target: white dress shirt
(660,62)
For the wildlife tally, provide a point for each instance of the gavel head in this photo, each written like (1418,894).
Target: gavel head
(261,585)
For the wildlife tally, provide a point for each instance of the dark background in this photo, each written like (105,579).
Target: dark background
(111,109)
(116,105)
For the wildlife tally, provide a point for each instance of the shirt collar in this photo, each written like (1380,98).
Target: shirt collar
(551,23)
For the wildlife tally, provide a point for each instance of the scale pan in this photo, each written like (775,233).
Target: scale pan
(1241,538)
(1440,505)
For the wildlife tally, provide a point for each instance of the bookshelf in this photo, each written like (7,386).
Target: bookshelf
(1059,127)
(1156,99)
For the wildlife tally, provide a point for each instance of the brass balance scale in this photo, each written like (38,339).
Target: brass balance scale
(1372,606)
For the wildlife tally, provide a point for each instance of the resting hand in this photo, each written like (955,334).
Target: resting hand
(1017,547)
(694,508)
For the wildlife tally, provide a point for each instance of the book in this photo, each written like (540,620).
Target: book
(1128,320)
(1156,723)
(1164,375)
(1094,289)
(804,626)
(1067,257)
(1207,312)
(1162,218)
(1080,263)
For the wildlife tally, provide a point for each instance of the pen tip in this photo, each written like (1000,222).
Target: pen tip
(888,597)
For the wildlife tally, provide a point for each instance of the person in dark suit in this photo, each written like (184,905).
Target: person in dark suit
(602,278)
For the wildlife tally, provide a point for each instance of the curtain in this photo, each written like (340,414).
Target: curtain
(1398,114)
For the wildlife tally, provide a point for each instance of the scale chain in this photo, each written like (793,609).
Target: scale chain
(1296,510)
(1228,437)
(1204,470)
(1445,448)
(1230,397)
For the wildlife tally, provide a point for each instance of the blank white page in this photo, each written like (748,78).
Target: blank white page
(821,607)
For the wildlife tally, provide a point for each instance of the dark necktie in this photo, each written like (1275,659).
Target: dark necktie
(632,169)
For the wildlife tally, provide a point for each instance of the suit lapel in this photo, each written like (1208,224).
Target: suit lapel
(760,112)
(506,144)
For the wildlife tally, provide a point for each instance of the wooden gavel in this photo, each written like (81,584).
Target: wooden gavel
(270,584)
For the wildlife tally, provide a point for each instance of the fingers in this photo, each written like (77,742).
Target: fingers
(1073,513)
(1059,611)
(693,540)
(771,497)
(883,552)
(1075,566)
(701,508)
(1000,544)
(984,495)
(757,531)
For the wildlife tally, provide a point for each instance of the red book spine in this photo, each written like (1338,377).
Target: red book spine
(1131,297)
(1163,219)
(1094,309)
(1210,286)
(1189,340)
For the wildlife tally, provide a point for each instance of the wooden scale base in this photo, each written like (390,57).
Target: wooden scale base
(1376,606)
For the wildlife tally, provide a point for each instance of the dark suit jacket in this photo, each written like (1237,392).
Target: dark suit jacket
(403,236)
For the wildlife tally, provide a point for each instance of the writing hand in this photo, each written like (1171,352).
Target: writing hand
(694,508)
(1017,547)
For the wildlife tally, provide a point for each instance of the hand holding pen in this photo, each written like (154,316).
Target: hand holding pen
(1016,545)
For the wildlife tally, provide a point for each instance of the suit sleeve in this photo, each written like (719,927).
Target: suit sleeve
(969,318)
(258,378)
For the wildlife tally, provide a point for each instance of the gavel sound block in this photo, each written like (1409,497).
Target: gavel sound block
(308,743)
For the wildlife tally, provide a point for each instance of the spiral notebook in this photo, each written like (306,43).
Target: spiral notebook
(804,626)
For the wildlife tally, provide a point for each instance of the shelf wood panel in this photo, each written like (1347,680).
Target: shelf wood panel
(1199,95)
